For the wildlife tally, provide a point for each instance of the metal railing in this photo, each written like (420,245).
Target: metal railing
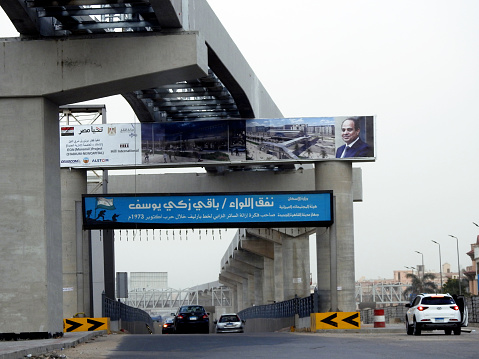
(473,309)
(398,312)
(289,308)
(116,310)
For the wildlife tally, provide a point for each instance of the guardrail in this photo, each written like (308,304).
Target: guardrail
(118,311)
(289,308)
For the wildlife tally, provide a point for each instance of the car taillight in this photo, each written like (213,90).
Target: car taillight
(180,316)
(455,307)
(165,325)
(205,316)
(421,308)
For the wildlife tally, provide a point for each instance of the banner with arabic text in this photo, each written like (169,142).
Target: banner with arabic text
(283,209)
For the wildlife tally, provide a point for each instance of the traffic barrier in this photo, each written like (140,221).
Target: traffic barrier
(379,318)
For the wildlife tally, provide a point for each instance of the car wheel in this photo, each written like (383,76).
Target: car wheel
(448,331)
(417,328)
(457,330)
(409,328)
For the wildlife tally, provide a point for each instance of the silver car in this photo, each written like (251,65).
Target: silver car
(230,323)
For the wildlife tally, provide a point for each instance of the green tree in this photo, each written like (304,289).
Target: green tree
(419,284)
(452,287)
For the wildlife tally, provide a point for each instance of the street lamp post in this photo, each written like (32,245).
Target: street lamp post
(475,264)
(411,268)
(458,266)
(440,263)
(422,255)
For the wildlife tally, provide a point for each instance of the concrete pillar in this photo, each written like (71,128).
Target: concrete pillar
(239,297)
(97,271)
(254,264)
(75,245)
(278,273)
(268,281)
(224,278)
(336,176)
(295,252)
(238,276)
(236,289)
(30,216)
(251,287)
(258,287)
(257,276)
(246,301)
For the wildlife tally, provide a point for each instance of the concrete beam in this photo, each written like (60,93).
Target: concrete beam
(249,258)
(74,70)
(231,275)
(260,247)
(207,183)
(243,267)
(227,281)
(228,63)
(168,12)
(268,234)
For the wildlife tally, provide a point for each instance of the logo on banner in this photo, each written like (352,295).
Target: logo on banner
(105,203)
(112,131)
(67,131)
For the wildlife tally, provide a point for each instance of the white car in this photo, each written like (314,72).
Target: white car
(433,311)
(229,323)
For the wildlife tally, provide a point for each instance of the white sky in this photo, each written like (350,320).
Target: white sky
(413,64)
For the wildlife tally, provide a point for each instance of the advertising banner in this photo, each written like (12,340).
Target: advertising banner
(103,145)
(289,209)
(210,142)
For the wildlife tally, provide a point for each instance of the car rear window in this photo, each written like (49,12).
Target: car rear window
(229,318)
(437,300)
(192,309)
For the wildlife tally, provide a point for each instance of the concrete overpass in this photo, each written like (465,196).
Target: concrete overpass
(72,51)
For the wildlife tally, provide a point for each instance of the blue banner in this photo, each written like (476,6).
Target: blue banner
(289,209)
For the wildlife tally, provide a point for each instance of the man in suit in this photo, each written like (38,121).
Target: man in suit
(354,146)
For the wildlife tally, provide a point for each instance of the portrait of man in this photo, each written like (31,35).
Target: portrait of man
(353,146)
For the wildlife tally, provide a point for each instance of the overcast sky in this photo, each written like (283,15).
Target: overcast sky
(412,64)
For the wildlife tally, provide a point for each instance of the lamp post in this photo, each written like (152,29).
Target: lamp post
(458,266)
(440,263)
(422,255)
(411,268)
(475,262)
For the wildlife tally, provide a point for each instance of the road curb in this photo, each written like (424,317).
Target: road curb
(21,348)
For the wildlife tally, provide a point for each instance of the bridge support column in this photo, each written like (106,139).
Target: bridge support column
(336,176)
(295,265)
(237,290)
(278,273)
(224,278)
(246,301)
(268,281)
(258,287)
(76,245)
(30,214)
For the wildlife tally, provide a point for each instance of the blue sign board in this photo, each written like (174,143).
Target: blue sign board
(288,209)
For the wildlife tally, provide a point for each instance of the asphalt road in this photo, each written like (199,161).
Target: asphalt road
(282,345)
